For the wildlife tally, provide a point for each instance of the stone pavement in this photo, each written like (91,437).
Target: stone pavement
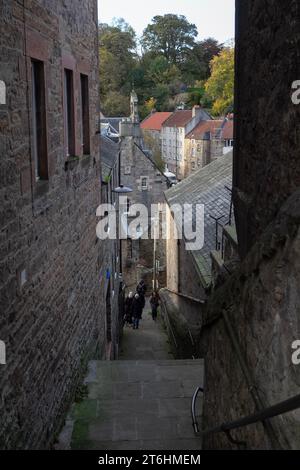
(150,341)
(141,401)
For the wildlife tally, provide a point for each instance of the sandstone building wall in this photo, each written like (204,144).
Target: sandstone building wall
(51,265)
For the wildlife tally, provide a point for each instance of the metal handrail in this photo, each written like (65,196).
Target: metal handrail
(280,408)
(195,422)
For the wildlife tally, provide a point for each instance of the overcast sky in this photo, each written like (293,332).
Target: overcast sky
(213,18)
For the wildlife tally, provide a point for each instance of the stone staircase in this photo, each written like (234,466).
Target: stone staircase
(142,404)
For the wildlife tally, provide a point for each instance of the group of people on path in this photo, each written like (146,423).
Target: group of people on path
(135,303)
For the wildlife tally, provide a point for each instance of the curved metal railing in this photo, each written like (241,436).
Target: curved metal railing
(280,408)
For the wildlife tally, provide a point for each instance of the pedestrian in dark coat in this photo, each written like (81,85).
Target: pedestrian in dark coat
(154,302)
(128,309)
(136,311)
(141,287)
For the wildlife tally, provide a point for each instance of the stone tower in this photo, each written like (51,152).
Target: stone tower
(134,110)
(130,127)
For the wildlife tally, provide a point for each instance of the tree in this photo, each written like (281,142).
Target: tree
(117,57)
(170,35)
(115,104)
(197,63)
(220,86)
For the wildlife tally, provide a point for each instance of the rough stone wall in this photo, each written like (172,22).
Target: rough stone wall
(54,322)
(181,274)
(261,300)
(201,155)
(267,134)
(134,167)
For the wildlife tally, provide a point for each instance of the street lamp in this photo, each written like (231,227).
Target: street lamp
(122,189)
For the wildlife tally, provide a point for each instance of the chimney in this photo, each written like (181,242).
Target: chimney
(196,110)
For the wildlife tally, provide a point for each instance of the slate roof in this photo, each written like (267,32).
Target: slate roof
(206,186)
(113,121)
(179,118)
(155,121)
(109,152)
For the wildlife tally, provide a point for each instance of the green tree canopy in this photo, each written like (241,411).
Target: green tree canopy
(170,35)
(115,104)
(117,55)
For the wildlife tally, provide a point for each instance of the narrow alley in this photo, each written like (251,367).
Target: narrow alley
(141,401)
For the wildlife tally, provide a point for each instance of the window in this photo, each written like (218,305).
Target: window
(39,128)
(144,183)
(85,118)
(69,112)
(128,205)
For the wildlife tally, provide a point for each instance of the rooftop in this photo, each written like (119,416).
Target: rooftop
(206,186)
(155,121)
(113,121)
(179,119)
(212,126)
(109,151)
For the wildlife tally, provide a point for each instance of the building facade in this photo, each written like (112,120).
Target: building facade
(52,303)
(173,134)
(143,258)
(208,141)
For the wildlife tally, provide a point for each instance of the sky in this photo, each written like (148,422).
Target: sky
(213,18)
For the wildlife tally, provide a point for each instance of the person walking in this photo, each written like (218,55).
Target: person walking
(141,291)
(154,303)
(128,309)
(136,311)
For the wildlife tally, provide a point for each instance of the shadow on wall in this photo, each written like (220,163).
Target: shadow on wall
(183,320)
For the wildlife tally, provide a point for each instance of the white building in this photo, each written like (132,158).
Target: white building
(173,133)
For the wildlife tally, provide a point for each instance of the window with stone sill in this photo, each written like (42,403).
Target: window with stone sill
(144,184)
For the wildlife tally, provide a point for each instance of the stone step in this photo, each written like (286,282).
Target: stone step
(138,405)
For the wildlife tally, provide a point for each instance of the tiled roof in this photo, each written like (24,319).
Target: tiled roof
(179,119)
(206,186)
(155,121)
(198,133)
(212,126)
(227,132)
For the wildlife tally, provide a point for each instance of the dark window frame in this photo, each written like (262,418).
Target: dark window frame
(39,121)
(85,114)
(69,112)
